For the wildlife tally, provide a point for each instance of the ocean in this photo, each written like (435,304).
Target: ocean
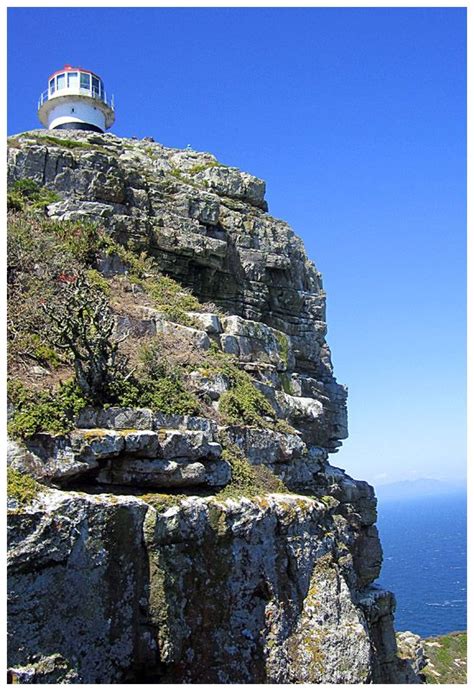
(424,545)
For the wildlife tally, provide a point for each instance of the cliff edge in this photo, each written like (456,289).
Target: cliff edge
(173,515)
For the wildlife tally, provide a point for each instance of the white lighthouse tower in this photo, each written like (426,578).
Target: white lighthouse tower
(76,100)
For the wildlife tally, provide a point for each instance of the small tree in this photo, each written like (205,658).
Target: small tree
(83,324)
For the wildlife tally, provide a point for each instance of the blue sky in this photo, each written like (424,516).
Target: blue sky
(356,118)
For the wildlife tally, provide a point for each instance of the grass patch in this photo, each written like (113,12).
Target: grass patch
(161,502)
(283,346)
(447,663)
(64,143)
(199,167)
(184,178)
(170,297)
(166,394)
(167,295)
(96,279)
(68,143)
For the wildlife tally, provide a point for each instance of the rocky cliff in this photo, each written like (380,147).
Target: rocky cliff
(197,533)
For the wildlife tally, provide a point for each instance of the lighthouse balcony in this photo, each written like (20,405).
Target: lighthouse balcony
(97,94)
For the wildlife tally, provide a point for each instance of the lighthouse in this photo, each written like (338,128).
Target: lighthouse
(76,100)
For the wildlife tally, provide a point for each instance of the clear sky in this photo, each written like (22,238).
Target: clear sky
(356,118)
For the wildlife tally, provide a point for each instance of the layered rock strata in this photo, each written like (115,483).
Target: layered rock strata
(110,580)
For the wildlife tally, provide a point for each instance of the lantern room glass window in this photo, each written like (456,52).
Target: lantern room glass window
(85,81)
(95,86)
(60,81)
(52,86)
(73,80)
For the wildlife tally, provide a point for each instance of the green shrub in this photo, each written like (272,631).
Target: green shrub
(285,382)
(96,279)
(244,404)
(168,294)
(27,193)
(161,502)
(21,487)
(42,253)
(247,480)
(283,346)
(176,314)
(166,395)
(140,265)
(35,347)
(284,427)
(199,167)
(155,384)
(52,411)
(80,239)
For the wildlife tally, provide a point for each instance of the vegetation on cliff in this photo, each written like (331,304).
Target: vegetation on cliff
(22,488)
(61,319)
(447,659)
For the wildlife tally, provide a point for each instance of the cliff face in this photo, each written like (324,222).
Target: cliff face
(113,575)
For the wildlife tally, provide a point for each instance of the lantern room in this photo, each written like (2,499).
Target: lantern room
(76,100)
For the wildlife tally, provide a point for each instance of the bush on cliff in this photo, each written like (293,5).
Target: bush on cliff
(50,410)
(247,480)
(60,317)
(22,488)
(27,193)
(82,324)
(243,403)
(40,251)
(157,384)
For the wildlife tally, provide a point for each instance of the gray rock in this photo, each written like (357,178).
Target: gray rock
(213,386)
(210,323)
(156,473)
(230,182)
(116,418)
(53,669)
(189,444)
(263,446)
(49,460)
(97,443)
(410,648)
(198,338)
(75,584)
(143,442)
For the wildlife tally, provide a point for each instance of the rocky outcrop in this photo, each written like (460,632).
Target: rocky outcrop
(410,647)
(107,588)
(131,563)
(206,225)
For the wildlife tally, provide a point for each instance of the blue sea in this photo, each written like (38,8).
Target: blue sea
(424,545)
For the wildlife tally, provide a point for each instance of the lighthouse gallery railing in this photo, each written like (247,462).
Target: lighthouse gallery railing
(91,93)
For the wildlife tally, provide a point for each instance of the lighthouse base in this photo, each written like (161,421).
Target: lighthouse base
(77,126)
